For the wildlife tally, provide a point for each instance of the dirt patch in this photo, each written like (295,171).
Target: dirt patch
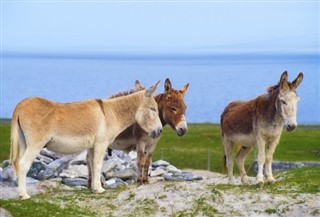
(208,197)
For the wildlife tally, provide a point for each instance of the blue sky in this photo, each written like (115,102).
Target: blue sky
(160,27)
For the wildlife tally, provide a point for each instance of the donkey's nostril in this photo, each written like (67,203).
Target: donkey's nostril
(291,127)
(181,131)
(160,131)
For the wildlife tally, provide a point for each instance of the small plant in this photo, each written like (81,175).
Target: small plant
(270,211)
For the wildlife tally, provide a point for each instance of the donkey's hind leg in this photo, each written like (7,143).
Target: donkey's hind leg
(241,157)
(228,150)
(25,162)
(89,166)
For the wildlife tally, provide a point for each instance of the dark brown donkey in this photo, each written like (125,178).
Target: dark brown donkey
(172,110)
(259,122)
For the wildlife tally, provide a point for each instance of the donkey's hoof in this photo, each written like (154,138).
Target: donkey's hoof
(232,181)
(98,190)
(139,181)
(145,181)
(271,180)
(245,180)
(24,196)
(260,181)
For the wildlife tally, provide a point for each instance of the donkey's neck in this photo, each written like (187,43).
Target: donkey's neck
(266,108)
(160,99)
(124,110)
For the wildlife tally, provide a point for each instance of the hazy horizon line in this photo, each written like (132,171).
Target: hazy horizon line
(156,55)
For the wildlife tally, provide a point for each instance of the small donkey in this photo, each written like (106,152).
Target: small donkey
(172,110)
(259,122)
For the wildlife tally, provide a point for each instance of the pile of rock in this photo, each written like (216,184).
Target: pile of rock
(279,166)
(119,169)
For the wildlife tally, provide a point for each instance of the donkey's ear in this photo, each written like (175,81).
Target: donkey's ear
(284,80)
(184,89)
(151,90)
(298,80)
(167,85)
(139,86)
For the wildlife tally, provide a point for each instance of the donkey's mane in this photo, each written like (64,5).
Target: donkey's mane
(123,93)
(273,88)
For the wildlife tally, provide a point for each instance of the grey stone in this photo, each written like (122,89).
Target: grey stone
(5,163)
(75,171)
(171,168)
(160,163)
(279,166)
(4,213)
(123,174)
(44,159)
(157,172)
(116,185)
(35,169)
(79,159)
(183,176)
(75,182)
(110,164)
(133,155)
(30,180)
(53,155)
(46,174)
(110,181)
(8,177)
(55,168)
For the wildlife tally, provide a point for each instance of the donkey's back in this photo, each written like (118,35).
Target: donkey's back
(44,117)
(237,118)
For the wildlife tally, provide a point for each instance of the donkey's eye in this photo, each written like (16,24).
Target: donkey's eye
(174,109)
(283,102)
(153,109)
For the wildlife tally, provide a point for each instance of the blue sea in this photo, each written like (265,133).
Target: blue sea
(215,80)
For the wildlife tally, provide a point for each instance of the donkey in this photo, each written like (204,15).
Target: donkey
(172,110)
(260,122)
(73,127)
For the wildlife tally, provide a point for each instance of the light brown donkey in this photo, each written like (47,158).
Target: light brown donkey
(172,110)
(73,127)
(259,122)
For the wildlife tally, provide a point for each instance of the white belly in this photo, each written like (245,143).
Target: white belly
(70,145)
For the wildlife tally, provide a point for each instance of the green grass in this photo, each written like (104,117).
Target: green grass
(192,150)
(4,141)
(201,147)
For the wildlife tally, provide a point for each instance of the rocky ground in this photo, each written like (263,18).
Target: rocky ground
(189,193)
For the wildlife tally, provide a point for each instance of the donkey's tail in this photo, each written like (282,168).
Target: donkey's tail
(15,149)
(224,160)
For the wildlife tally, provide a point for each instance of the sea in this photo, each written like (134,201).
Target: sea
(215,80)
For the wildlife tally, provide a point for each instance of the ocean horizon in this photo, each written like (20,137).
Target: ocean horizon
(215,79)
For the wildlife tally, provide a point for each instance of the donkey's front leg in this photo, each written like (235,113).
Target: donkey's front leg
(261,159)
(146,167)
(141,163)
(269,157)
(98,155)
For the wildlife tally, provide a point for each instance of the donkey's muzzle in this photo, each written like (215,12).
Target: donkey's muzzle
(291,127)
(181,131)
(155,133)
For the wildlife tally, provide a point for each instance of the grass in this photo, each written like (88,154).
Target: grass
(201,147)
(4,141)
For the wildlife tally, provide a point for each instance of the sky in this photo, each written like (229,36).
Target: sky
(160,26)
